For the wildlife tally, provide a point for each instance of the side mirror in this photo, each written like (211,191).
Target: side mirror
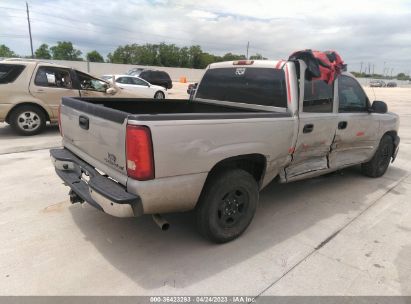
(111,91)
(379,107)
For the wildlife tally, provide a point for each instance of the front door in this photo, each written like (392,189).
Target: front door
(316,130)
(50,84)
(90,86)
(356,137)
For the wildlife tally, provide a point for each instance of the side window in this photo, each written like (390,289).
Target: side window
(137,81)
(318,97)
(128,80)
(351,96)
(120,80)
(53,77)
(90,83)
(10,72)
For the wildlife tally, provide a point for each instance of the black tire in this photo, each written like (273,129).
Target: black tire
(31,116)
(162,95)
(227,205)
(378,165)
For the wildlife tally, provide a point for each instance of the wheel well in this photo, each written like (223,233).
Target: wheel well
(392,134)
(27,104)
(254,164)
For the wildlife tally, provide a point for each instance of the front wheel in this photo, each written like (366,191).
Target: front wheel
(377,166)
(159,95)
(28,120)
(227,205)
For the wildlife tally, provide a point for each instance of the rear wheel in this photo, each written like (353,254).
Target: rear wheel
(227,205)
(378,165)
(159,95)
(28,120)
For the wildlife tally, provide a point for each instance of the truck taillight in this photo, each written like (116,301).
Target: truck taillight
(60,128)
(139,153)
(243,62)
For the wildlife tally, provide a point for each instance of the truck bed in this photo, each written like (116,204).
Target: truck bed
(117,109)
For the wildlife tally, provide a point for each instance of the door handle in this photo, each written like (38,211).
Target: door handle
(308,128)
(342,125)
(83,122)
(40,91)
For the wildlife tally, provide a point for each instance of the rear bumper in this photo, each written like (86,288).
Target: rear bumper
(99,191)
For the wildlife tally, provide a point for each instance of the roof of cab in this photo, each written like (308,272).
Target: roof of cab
(249,63)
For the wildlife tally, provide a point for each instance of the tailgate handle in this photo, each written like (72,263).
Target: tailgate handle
(83,122)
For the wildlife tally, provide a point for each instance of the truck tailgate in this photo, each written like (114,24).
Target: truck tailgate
(96,136)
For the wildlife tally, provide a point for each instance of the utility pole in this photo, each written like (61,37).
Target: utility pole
(361,68)
(248,46)
(373,66)
(28,21)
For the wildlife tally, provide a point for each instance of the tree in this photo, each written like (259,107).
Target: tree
(124,54)
(6,52)
(94,56)
(43,52)
(195,53)
(231,56)
(257,57)
(64,50)
(168,54)
(402,76)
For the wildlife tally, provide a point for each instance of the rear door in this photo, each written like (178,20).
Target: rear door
(317,126)
(357,134)
(50,84)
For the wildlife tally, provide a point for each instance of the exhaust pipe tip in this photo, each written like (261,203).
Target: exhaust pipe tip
(161,222)
(165,226)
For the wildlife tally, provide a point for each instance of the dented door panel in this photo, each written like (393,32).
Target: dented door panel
(313,144)
(356,143)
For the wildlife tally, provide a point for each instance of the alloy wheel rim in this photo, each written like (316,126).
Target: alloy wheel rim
(28,121)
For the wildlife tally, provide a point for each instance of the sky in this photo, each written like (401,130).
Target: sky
(371,32)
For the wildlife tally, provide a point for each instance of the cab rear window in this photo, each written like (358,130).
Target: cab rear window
(259,86)
(10,72)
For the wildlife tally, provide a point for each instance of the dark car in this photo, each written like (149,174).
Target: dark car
(135,71)
(160,78)
(392,84)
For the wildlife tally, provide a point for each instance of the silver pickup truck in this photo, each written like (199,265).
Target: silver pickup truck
(249,122)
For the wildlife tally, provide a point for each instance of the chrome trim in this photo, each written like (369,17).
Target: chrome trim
(109,207)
